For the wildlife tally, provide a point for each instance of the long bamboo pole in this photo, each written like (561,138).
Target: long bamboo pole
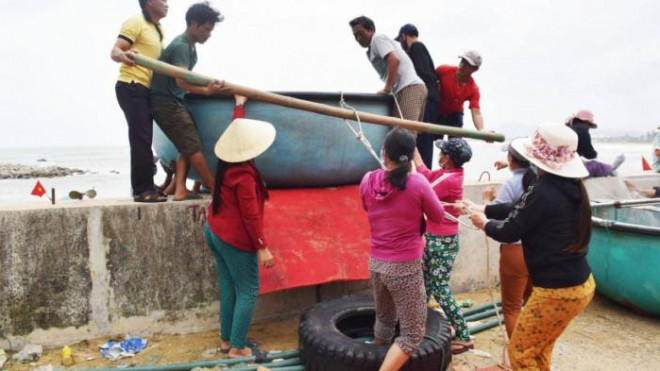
(324,109)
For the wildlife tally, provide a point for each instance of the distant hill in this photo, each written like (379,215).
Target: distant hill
(513,130)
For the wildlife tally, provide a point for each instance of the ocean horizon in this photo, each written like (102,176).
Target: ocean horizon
(106,168)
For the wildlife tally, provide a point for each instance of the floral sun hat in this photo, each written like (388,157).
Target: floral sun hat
(553,148)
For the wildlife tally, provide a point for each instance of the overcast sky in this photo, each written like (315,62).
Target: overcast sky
(542,59)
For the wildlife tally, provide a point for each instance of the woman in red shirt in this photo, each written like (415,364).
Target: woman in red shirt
(234,228)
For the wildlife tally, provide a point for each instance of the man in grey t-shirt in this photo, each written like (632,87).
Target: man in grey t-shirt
(394,67)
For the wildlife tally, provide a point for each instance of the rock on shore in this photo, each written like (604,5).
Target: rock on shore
(15,171)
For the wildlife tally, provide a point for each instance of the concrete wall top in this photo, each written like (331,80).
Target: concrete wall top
(99,267)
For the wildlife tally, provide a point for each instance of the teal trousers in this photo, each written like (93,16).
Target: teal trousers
(238,279)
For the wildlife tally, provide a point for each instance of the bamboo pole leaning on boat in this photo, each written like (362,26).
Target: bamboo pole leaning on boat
(324,109)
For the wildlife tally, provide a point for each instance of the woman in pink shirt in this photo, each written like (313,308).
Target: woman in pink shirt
(395,201)
(442,237)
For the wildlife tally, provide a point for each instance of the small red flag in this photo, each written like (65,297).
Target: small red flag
(38,189)
(645,164)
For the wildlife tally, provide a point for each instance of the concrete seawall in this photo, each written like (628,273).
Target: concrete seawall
(80,270)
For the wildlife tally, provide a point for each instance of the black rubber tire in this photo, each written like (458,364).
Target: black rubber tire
(327,331)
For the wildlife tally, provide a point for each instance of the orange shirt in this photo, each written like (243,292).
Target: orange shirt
(453,95)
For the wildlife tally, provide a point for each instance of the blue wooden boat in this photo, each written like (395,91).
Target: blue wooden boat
(624,255)
(310,150)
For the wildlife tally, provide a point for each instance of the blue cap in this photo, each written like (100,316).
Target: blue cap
(407,29)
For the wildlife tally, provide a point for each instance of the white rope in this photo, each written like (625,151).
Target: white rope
(455,219)
(489,285)
(505,337)
(398,107)
(359,134)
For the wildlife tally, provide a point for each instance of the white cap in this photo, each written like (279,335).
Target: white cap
(472,57)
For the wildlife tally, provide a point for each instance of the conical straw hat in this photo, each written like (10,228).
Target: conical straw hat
(244,139)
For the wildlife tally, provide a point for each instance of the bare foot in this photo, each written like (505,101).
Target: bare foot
(181,195)
(460,347)
(240,353)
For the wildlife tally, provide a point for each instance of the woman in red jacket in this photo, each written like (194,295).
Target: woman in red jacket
(234,228)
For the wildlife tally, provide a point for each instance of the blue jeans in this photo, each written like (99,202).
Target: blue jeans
(453,119)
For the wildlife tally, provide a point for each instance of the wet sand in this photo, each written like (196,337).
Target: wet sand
(605,337)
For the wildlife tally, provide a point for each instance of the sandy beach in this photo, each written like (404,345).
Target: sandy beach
(605,337)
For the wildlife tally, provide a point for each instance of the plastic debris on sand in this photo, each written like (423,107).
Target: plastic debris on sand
(114,350)
(29,353)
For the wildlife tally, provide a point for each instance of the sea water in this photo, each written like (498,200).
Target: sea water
(107,169)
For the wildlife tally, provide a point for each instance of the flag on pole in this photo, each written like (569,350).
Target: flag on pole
(645,164)
(38,189)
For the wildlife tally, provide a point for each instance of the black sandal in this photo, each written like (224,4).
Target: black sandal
(149,197)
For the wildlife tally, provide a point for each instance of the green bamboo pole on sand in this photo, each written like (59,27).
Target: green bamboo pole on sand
(484,326)
(481,308)
(324,109)
(482,315)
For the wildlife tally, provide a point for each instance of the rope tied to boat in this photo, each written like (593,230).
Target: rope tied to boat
(359,133)
(500,320)
(490,285)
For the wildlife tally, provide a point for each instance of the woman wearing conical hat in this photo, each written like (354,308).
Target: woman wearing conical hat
(234,228)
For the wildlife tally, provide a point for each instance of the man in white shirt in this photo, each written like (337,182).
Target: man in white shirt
(394,67)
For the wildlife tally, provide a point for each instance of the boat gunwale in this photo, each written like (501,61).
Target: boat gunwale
(627,203)
(624,227)
(349,97)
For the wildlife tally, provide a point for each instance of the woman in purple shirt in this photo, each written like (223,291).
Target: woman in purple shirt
(395,201)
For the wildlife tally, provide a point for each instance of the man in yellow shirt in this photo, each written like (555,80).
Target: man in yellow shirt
(142,34)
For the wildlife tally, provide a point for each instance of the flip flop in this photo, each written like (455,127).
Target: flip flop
(260,355)
(460,347)
(190,196)
(249,343)
(149,197)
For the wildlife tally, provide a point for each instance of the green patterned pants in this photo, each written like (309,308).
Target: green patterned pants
(439,257)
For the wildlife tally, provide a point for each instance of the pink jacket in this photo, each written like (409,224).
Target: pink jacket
(396,216)
(448,187)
